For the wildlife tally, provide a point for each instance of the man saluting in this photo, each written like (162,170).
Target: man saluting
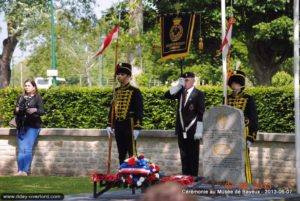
(189,127)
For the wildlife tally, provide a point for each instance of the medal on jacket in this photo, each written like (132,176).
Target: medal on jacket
(191,107)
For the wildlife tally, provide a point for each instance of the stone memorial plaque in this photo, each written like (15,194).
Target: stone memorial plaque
(224,144)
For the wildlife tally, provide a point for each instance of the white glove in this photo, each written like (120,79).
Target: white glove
(136,134)
(249,143)
(110,131)
(199,130)
(177,87)
(181,82)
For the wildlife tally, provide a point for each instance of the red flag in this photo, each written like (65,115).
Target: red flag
(107,40)
(227,39)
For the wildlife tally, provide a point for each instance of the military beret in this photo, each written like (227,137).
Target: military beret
(188,74)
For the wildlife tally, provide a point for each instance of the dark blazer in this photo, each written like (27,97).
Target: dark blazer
(194,107)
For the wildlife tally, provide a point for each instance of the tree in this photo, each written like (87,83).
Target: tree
(261,38)
(16,13)
(264,28)
(135,27)
(74,50)
(203,63)
(24,15)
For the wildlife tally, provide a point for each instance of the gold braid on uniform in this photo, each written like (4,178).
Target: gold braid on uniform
(240,102)
(122,102)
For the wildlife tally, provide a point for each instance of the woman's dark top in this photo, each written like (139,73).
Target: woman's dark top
(23,118)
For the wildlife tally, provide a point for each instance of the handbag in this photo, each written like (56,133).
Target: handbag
(13,122)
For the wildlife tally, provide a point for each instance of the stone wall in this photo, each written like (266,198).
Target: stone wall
(80,152)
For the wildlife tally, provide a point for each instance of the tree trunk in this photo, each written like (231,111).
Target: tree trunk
(9,45)
(88,77)
(263,74)
(266,59)
(87,71)
(135,27)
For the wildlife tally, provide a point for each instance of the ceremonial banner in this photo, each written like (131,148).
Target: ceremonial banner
(176,34)
(227,39)
(226,43)
(108,39)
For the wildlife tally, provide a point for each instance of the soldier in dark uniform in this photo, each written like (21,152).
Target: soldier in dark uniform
(127,106)
(189,127)
(239,99)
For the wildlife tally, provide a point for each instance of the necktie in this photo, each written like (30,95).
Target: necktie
(184,95)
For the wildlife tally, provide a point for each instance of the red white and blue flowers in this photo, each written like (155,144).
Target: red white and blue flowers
(139,171)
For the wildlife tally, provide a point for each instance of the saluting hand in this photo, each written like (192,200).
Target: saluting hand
(177,87)
(181,82)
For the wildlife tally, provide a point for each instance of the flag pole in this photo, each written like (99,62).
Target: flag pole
(54,82)
(296,91)
(181,66)
(105,43)
(224,63)
(112,107)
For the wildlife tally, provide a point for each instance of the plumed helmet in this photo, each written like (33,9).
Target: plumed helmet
(236,76)
(124,68)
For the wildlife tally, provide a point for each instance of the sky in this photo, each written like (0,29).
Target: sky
(101,5)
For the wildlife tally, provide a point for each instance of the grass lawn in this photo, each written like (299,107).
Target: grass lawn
(45,184)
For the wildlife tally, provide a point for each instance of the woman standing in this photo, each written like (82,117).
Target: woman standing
(243,101)
(29,108)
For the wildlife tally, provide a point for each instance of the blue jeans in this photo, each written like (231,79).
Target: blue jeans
(26,138)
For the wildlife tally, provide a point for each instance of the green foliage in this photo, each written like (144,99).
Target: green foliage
(280,28)
(73,56)
(266,28)
(23,15)
(82,107)
(260,40)
(282,79)
(74,107)
(275,108)
(143,80)
(8,98)
(288,66)
(261,36)
(156,116)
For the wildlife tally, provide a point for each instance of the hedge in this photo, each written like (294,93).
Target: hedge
(87,107)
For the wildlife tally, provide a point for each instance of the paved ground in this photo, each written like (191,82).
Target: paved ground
(202,195)
(125,195)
